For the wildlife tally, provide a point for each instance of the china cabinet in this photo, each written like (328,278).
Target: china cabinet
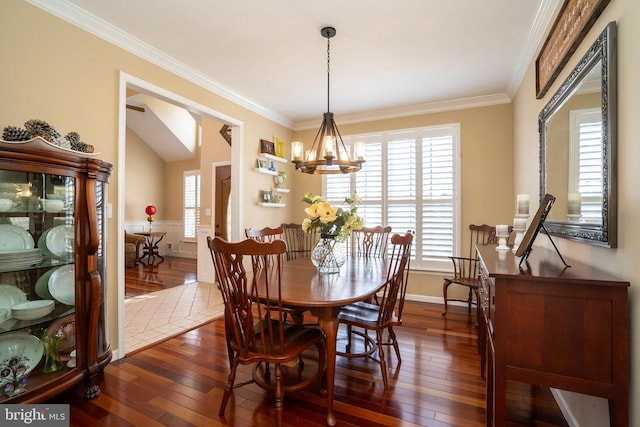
(53,205)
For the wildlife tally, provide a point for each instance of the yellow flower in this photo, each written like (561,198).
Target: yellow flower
(313,211)
(323,218)
(326,212)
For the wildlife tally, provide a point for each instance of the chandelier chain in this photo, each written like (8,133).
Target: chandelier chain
(328,70)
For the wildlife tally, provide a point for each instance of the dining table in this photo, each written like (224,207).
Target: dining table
(324,295)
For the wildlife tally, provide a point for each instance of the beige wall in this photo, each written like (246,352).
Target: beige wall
(621,262)
(173,184)
(144,169)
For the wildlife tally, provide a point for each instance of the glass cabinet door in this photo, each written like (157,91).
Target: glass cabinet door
(37,280)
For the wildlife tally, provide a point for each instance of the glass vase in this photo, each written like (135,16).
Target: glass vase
(328,255)
(52,361)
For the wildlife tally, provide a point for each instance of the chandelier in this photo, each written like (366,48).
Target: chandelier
(328,154)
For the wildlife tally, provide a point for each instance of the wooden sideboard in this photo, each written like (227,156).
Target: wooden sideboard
(544,324)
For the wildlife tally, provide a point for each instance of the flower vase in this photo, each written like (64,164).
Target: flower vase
(328,255)
(52,361)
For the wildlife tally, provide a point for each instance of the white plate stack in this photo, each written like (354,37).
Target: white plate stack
(31,310)
(18,260)
(17,248)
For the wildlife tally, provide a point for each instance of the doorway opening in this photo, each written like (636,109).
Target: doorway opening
(201,288)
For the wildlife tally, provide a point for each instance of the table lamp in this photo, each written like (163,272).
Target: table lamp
(150,210)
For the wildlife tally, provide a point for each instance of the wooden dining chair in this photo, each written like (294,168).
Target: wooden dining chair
(370,242)
(465,269)
(299,243)
(266,234)
(254,318)
(378,318)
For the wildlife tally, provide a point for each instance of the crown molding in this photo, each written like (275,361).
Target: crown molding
(413,110)
(80,18)
(111,34)
(545,13)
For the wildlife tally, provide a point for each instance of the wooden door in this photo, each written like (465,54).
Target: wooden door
(223,191)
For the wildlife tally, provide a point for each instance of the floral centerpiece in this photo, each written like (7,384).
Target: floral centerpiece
(334,224)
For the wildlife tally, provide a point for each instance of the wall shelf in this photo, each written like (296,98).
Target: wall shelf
(272,205)
(281,190)
(266,171)
(272,157)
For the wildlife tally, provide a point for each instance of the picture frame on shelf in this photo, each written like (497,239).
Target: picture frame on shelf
(267,147)
(537,223)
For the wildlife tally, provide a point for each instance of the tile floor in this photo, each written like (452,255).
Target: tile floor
(159,315)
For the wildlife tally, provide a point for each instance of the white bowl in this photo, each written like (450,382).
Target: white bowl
(5,205)
(53,206)
(32,309)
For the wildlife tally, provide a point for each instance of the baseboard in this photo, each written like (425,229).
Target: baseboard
(432,299)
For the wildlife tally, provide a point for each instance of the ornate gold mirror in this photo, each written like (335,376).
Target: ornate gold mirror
(578,148)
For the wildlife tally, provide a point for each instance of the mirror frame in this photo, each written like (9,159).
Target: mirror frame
(603,49)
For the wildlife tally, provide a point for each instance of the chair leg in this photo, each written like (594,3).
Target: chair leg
(394,341)
(279,395)
(348,347)
(383,364)
(445,288)
(230,351)
(229,387)
(469,300)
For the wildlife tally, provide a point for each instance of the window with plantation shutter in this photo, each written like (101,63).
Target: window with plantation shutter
(409,183)
(191,203)
(585,162)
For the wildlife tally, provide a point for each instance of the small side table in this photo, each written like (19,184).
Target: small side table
(150,249)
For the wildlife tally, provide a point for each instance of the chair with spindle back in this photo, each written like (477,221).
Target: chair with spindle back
(385,315)
(254,318)
(370,242)
(465,269)
(299,243)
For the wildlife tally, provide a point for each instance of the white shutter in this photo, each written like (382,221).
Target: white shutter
(437,198)
(585,159)
(369,184)
(408,183)
(191,203)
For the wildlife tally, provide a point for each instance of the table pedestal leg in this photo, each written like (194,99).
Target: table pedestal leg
(328,321)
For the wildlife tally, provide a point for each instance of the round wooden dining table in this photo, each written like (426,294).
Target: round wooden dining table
(324,294)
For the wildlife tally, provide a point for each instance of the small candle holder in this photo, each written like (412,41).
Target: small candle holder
(502,242)
(519,227)
(502,233)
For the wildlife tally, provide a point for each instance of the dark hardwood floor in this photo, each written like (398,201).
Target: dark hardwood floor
(144,277)
(180,382)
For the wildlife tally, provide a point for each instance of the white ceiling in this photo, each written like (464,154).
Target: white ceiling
(388,56)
